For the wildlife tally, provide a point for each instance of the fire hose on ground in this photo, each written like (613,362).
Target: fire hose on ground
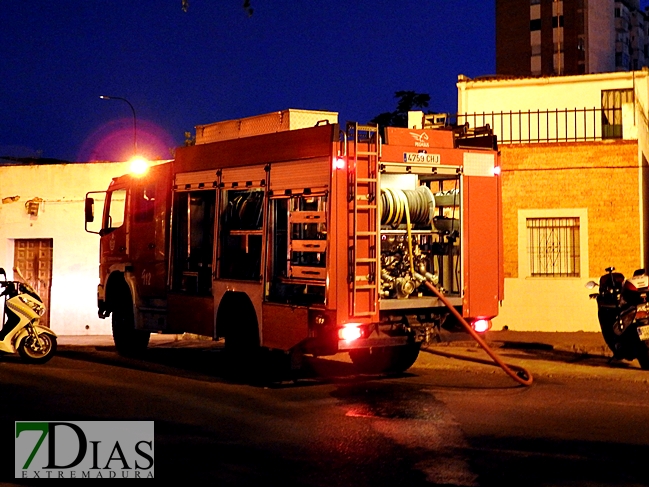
(398,203)
(519,374)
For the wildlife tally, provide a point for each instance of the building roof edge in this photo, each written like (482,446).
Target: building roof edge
(506,80)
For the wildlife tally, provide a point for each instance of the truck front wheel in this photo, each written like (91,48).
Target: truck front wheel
(379,360)
(129,342)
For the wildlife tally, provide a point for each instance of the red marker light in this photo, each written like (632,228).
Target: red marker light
(350,331)
(339,163)
(481,325)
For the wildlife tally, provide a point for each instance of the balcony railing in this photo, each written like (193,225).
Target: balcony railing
(534,126)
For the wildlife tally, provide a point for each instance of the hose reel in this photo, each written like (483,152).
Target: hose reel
(419,203)
(402,267)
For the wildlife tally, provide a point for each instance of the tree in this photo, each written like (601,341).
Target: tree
(408,100)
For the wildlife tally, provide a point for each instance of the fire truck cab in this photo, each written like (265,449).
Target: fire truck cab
(312,240)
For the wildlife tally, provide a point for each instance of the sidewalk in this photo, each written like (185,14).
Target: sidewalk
(107,340)
(578,342)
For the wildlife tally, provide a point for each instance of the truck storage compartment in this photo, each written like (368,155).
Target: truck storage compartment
(420,229)
(298,257)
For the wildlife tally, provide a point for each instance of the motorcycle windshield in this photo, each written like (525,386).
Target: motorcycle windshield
(613,280)
(27,289)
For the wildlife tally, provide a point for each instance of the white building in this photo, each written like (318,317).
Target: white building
(574,153)
(558,108)
(42,231)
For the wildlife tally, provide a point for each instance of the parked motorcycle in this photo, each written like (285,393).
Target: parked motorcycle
(623,314)
(21,315)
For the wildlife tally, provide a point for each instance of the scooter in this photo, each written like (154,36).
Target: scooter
(623,314)
(21,330)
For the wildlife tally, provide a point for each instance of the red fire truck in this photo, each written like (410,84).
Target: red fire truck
(312,240)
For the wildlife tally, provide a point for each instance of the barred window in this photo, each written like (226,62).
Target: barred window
(553,247)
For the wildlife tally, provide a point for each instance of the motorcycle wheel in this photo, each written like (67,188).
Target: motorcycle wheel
(643,355)
(32,352)
(607,318)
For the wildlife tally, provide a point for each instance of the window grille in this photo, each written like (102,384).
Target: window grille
(553,247)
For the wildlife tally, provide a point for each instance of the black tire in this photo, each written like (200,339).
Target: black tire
(643,355)
(129,342)
(607,319)
(380,360)
(238,320)
(37,351)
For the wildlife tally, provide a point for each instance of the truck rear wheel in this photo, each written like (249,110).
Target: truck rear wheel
(378,360)
(237,319)
(129,342)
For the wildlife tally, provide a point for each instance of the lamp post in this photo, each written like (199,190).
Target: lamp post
(104,97)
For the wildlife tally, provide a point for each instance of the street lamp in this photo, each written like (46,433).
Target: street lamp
(104,97)
(139,165)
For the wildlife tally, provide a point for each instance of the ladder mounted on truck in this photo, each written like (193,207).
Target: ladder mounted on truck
(363,193)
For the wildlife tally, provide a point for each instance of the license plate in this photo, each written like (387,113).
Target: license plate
(643,332)
(421,158)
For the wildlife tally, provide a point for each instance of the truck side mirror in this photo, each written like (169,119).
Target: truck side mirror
(90,210)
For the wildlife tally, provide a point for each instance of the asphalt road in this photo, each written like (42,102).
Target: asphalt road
(585,421)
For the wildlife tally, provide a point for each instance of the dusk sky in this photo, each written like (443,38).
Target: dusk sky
(215,63)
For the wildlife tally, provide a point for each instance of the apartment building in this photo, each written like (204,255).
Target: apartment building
(569,37)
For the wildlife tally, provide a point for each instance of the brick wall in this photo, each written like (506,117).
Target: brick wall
(599,176)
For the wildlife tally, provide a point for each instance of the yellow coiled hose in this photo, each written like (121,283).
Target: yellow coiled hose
(417,206)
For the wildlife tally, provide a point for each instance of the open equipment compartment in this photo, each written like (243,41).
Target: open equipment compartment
(431,248)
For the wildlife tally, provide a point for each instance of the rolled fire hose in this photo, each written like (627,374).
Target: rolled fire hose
(519,374)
